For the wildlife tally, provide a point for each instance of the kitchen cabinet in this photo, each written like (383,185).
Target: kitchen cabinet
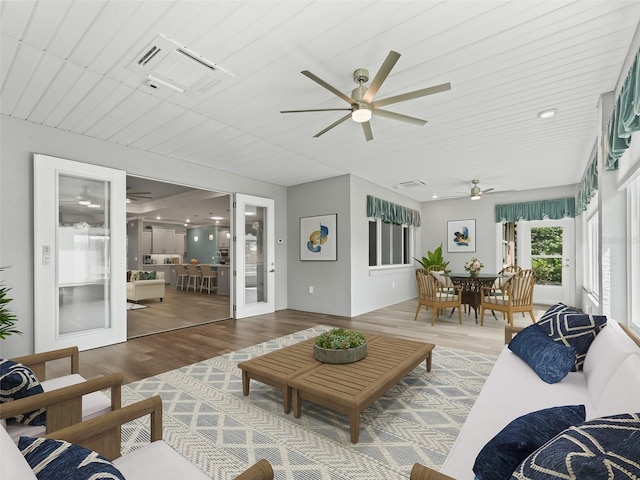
(146,242)
(224,239)
(180,243)
(163,241)
(223,279)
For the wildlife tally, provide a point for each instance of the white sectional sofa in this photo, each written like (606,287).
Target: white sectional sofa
(609,384)
(144,289)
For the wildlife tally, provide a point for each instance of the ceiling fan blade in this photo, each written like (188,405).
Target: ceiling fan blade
(331,88)
(334,124)
(411,95)
(316,110)
(488,190)
(398,116)
(381,76)
(366,128)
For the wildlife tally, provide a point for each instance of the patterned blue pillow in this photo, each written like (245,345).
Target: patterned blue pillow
(56,460)
(572,328)
(503,453)
(607,447)
(552,361)
(18,381)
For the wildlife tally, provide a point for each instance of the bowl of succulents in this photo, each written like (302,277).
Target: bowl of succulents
(340,345)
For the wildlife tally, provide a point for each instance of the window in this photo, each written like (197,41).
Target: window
(591,278)
(546,255)
(633,217)
(389,244)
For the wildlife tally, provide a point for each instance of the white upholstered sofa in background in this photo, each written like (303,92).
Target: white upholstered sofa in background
(144,289)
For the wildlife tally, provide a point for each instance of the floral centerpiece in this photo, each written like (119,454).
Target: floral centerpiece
(340,345)
(473,266)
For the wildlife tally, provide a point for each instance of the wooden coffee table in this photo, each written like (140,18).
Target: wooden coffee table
(348,388)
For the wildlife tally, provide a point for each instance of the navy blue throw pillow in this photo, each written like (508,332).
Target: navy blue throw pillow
(573,329)
(503,453)
(552,361)
(607,447)
(56,459)
(18,381)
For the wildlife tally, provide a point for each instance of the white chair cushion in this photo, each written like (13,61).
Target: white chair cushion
(159,462)
(13,465)
(93,404)
(605,355)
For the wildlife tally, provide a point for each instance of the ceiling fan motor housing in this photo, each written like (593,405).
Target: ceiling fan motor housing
(361,76)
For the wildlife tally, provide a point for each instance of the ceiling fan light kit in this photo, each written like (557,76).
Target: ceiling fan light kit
(361,102)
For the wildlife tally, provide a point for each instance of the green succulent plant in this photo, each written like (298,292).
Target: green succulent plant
(434,258)
(340,339)
(7,318)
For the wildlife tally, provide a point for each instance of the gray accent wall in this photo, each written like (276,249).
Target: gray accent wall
(21,139)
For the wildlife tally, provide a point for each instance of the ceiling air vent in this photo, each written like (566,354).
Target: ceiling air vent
(165,63)
(410,184)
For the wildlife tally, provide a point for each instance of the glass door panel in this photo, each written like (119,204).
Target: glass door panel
(80,254)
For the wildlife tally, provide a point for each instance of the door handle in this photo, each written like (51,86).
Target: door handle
(272,270)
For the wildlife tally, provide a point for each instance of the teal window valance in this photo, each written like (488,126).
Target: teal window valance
(391,212)
(625,118)
(552,209)
(588,186)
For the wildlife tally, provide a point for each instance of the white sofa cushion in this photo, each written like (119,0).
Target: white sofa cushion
(158,461)
(93,404)
(622,392)
(606,353)
(13,465)
(512,389)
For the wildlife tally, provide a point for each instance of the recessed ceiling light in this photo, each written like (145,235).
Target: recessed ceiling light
(93,205)
(158,217)
(128,200)
(217,218)
(434,196)
(187,220)
(84,202)
(547,113)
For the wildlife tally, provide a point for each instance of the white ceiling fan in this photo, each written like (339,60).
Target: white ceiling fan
(361,103)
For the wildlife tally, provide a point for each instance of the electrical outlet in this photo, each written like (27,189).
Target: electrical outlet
(310,289)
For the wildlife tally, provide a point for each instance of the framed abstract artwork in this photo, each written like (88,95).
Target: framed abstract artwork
(319,237)
(461,236)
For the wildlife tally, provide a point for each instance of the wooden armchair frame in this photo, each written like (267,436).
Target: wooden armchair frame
(64,405)
(431,293)
(516,295)
(102,434)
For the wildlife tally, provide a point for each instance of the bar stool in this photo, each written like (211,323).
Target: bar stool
(183,274)
(208,275)
(194,274)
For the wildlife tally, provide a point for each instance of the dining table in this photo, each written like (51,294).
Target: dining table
(471,286)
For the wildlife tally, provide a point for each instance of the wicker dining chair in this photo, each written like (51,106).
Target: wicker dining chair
(515,296)
(431,293)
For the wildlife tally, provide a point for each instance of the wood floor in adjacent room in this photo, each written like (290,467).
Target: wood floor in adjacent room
(153,354)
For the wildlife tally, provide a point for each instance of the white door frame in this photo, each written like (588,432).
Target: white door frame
(47,292)
(549,294)
(265,273)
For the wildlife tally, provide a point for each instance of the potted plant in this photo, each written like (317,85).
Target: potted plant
(433,259)
(340,345)
(7,318)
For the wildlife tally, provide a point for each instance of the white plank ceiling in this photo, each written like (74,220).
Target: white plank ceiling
(63,64)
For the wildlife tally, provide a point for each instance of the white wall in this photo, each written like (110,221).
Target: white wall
(375,289)
(20,140)
(436,214)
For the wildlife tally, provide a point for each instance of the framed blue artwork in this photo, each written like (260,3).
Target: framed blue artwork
(461,236)
(319,237)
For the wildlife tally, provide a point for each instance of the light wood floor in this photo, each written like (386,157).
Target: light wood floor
(150,355)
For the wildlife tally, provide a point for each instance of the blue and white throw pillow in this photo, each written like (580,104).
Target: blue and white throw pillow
(56,460)
(508,448)
(18,381)
(607,447)
(573,329)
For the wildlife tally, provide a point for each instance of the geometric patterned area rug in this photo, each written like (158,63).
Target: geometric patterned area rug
(135,306)
(208,420)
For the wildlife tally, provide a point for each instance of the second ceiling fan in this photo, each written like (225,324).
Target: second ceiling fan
(361,102)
